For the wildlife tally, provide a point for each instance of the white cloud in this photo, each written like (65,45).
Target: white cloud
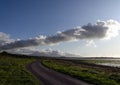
(5,39)
(114,27)
(91,43)
(46,52)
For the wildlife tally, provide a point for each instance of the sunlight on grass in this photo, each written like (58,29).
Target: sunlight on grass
(97,76)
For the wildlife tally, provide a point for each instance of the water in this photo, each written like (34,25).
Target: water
(110,62)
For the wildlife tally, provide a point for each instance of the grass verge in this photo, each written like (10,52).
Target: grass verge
(97,75)
(13,71)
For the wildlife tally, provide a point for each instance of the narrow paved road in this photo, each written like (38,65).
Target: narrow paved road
(50,77)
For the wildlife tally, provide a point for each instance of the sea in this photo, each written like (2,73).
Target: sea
(109,62)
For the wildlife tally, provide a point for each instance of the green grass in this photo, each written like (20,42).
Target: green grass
(13,71)
(95,75)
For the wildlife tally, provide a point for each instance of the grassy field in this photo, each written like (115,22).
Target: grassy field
(98,75)
(13,71)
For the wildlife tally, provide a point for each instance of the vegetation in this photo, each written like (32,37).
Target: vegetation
(98,75)
(13,71)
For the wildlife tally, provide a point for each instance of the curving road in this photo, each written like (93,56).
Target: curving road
(50,77)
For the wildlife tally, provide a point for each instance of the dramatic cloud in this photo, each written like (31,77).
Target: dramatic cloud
(23,43)
(99,30)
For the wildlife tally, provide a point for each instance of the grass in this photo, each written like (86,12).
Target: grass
(97,75)
(13,71)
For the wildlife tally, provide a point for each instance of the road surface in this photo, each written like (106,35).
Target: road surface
(47,76)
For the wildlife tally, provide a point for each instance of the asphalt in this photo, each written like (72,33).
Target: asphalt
(48,76)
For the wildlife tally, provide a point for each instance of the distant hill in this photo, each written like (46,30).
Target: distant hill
(4,53)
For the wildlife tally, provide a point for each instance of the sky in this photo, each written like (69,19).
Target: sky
(25,21)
